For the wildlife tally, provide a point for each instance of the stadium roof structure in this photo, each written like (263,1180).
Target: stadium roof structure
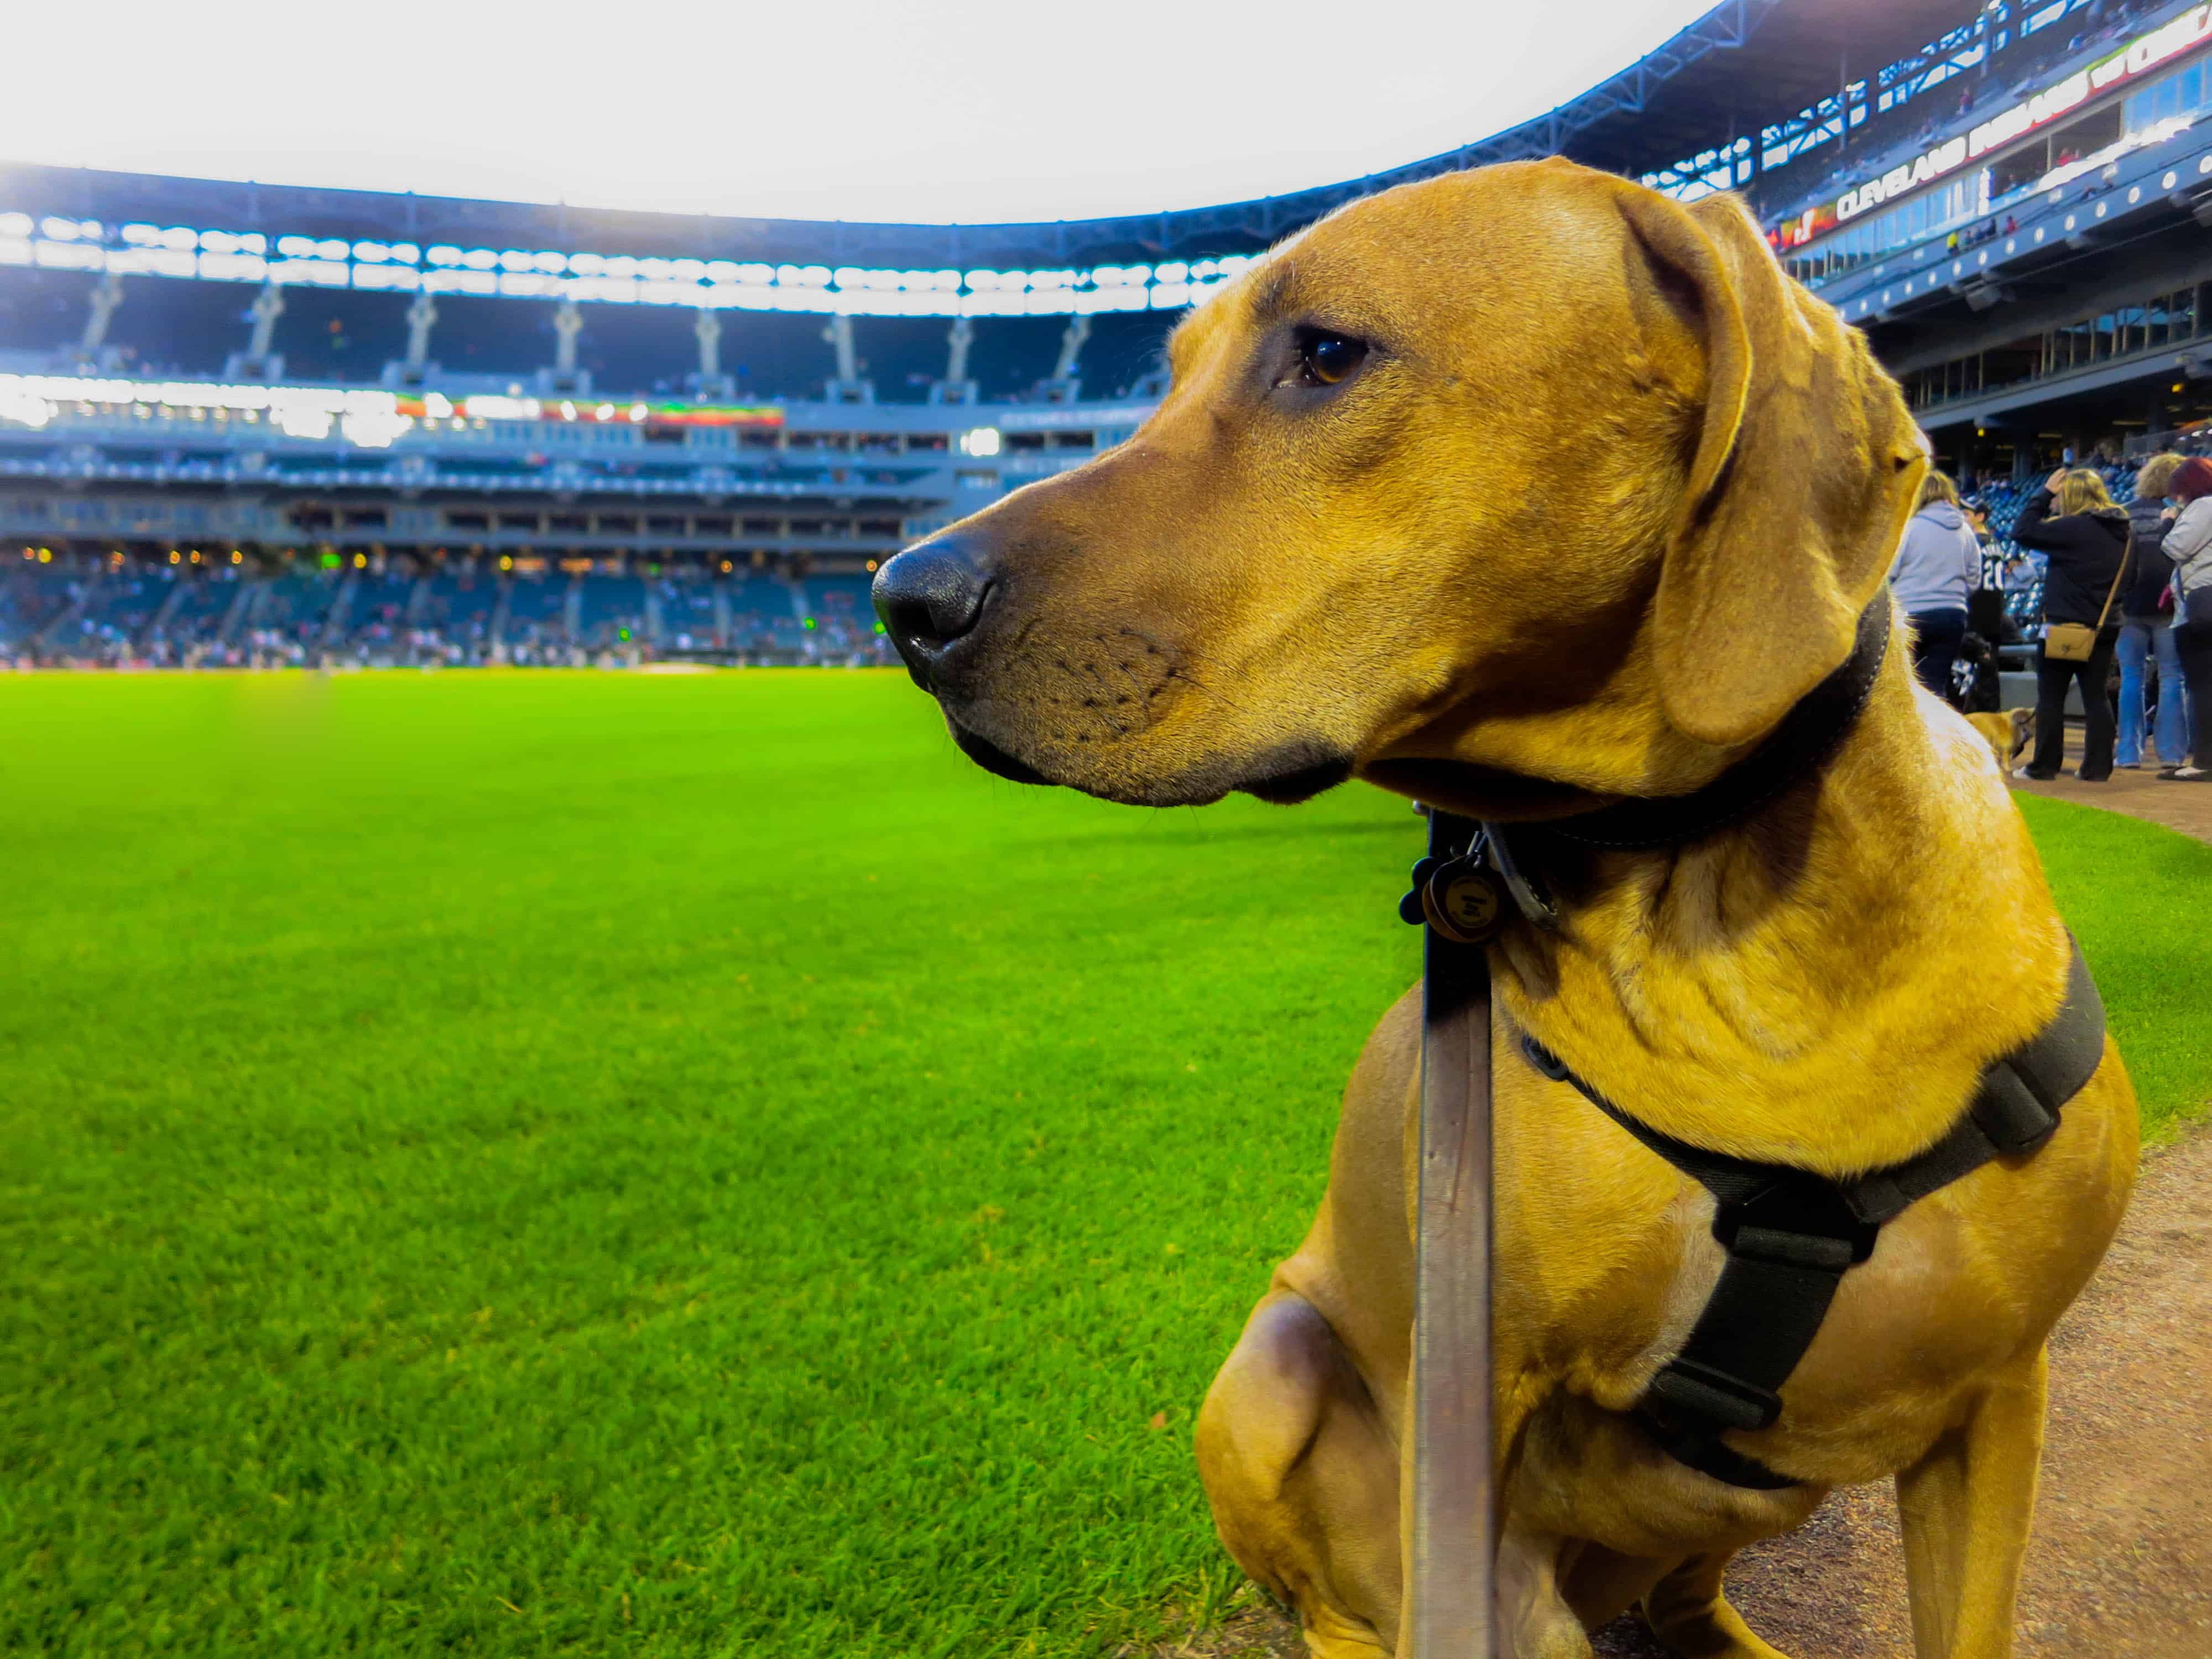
(1741,66)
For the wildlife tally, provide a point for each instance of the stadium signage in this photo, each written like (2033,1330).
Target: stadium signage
(2191,28)
(1899,179)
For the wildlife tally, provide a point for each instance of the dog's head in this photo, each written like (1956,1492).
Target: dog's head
(1503,490)
(2006,734)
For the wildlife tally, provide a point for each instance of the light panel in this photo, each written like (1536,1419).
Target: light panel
(139,250)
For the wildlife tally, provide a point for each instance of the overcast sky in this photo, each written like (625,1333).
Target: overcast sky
(920,110)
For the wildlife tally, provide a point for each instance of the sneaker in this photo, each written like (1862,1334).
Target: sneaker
(2186,774)
(2040,777)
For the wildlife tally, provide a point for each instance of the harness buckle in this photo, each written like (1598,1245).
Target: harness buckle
(1715,1396)
(1796,1224)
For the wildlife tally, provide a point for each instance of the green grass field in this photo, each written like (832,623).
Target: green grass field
(513,1164)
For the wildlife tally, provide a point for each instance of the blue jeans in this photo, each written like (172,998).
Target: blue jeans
(2151,640)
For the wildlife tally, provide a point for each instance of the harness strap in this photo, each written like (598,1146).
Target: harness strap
(1791,1236)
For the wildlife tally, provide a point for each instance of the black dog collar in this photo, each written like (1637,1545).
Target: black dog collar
(1809,734)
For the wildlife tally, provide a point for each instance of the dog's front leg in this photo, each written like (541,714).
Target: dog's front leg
(1693,1619)
(1299,1470)
(1533,1612)
(1965,1510)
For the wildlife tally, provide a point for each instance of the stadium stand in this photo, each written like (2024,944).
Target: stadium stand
(244,424)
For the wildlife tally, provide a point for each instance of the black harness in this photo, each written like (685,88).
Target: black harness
(1790,1235)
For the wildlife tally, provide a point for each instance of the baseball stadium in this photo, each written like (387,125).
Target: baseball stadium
(564,1093)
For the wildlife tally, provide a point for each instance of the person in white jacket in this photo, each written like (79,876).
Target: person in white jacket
(1938,564)
(2189,544)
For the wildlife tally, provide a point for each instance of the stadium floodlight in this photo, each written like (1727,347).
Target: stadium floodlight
(371,429)
(980,441)
(233,267)
(24,409)
(615,279)
(495,407)
(304,423)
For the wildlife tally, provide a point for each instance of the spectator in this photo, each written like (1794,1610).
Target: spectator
(1938,564)
(2189,544)
(2147,624)
(2084,538)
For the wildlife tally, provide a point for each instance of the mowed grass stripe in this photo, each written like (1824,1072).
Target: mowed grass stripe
(509,1163)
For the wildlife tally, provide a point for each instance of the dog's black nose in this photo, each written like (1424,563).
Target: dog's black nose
(928,597)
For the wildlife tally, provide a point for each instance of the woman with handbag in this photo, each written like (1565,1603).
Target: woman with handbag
(2084,538)
(2189,544)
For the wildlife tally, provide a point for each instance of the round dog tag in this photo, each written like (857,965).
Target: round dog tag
(1464,903)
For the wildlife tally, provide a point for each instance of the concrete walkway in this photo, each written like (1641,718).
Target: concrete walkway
(2184,806)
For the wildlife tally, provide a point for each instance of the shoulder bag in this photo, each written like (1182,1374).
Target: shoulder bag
(2075,642)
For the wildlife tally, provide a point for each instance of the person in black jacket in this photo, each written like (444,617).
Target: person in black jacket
(2072,520)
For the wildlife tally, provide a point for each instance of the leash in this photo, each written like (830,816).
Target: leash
(1460,902)
(1453,1509)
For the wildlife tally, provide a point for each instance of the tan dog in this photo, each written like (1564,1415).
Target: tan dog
(1521,491)
(2006,734)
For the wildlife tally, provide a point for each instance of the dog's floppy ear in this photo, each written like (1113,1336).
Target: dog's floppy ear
(1805,469)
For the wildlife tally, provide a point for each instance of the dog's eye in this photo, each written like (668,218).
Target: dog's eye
(1325,359)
